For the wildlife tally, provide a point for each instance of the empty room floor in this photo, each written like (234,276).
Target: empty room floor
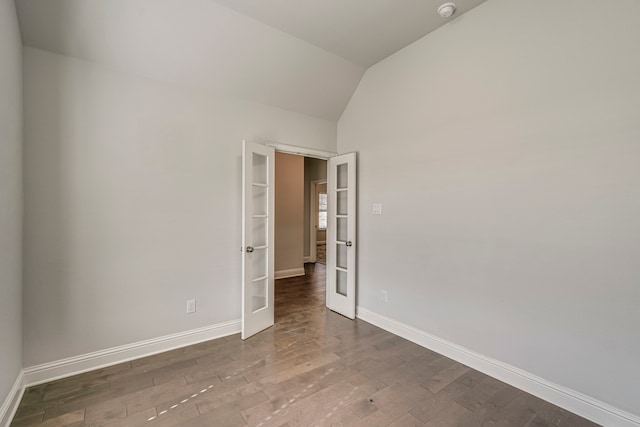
(314,367)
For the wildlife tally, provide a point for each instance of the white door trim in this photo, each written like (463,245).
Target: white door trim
(301,151)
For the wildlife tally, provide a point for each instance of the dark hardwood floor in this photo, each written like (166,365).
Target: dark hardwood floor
(313,367)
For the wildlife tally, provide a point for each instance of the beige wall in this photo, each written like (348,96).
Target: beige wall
(289,220)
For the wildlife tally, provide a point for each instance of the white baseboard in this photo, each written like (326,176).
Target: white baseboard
(306,259)
(294,272)
(571,400)
(88,362)
(10,404)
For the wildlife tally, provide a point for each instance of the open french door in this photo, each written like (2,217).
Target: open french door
(257,238)
(341,235)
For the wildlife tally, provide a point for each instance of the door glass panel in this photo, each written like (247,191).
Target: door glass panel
(259,295)
(341,207)
(342,175)
(260,170)
(341,282)
(341,232)
(258,263)
(260,200)
(341,258)
(259,231)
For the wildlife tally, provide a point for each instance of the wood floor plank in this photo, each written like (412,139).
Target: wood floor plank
(313,368)
(65,419)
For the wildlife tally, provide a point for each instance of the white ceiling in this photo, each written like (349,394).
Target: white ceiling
(362,31)
(305,55)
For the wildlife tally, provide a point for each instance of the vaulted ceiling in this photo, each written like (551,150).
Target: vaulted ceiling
(305,55)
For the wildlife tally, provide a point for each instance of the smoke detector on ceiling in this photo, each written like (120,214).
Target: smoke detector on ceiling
(447,9)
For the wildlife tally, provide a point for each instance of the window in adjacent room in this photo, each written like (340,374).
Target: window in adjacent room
(322,211)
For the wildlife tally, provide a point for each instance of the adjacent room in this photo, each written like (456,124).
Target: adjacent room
(458,238)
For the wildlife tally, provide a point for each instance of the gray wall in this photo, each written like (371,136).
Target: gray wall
(10,198)
(505,149)
(132,203)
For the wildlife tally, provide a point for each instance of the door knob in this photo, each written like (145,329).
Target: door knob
(349,244)
(249,249)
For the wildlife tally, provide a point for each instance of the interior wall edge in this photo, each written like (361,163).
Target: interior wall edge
(12,401)
(571,400)
(55,370)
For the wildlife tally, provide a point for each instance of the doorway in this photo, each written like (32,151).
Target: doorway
(260,245)
(300,229)
(300,218)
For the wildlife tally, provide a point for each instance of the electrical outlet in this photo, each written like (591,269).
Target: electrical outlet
(383,295)
(377,208)
(191,306)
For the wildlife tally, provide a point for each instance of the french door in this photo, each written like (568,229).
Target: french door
(257,238)
(341,235)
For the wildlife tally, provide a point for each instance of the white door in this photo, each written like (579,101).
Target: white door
(257,238)
(341,235)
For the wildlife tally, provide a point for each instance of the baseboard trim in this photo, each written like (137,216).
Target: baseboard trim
(10,404)
(306,259)
(284,274)
(571,400)
(88,362)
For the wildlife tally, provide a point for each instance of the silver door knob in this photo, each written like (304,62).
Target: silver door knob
(349,244)
(249,249)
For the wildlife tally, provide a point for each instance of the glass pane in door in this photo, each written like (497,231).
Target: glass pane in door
(341,282)
(342,205)
(258,263)
(259,231)
(260,200)
(260,169)
(259,294)
(342,172)
(341,232)
(341,258)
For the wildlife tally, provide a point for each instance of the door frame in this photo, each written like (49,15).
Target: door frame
(301,151)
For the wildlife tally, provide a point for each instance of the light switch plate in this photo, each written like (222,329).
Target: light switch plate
(191,306)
